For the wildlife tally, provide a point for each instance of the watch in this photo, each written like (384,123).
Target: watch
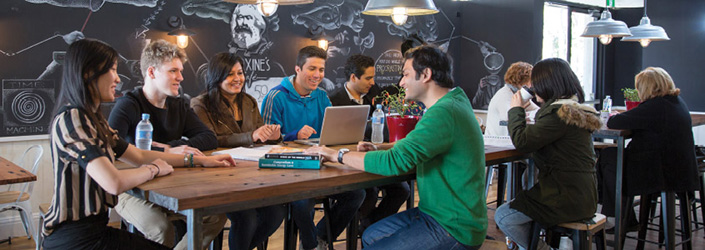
(342,152)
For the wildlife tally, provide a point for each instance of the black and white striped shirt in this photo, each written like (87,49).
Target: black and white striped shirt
(74,143)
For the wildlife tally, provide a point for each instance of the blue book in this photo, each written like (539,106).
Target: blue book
(289,163)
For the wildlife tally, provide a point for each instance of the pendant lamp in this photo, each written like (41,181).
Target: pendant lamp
(268,7)
(400,10)
(645,33)
(606,28)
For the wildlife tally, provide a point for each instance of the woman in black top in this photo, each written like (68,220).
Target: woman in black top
(84,148)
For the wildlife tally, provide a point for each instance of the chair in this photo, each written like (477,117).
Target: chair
(19,200)
(581,233)
(43,209)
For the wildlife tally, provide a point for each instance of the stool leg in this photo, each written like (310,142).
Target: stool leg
(644,209)
(501,184)
(351,232)
(685,221)
(410,201)
(289,230)
(668,214)
(326,214)
(534,236)
(599,239)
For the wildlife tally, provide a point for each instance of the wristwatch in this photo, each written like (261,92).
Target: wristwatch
(342,152)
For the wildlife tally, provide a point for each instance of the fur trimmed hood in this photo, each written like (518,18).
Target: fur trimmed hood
(582,116)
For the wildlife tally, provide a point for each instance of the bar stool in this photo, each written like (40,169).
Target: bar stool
(581,232)
(667,232)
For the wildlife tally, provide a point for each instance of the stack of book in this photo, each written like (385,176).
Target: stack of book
(292,158)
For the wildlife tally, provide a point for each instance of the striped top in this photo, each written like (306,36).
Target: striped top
(74,143)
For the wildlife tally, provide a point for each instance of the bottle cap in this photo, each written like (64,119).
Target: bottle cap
(379,106)
(145,116)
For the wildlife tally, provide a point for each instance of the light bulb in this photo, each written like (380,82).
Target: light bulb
(399,15)
(267,7)
(645,42)
(605,39)
(323,44)
(182,41)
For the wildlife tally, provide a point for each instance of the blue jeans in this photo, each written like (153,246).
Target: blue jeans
(343,208)
(515,225)
(395,195)
(251,227)
(411,229)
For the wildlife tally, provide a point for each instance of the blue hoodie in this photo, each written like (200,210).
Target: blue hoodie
(284,106)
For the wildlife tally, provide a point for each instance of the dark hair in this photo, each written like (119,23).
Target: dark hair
(85,61)
(411,42)
(219,67)
(432,57)
(357,64)
(553,79)
(308,52)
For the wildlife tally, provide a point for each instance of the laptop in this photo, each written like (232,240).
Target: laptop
(341,125)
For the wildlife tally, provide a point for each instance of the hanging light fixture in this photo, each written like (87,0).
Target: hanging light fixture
(606,28)
(400,10)
(182,33)
(645,33)
(268,7)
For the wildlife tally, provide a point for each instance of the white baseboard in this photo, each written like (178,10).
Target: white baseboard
(11,226)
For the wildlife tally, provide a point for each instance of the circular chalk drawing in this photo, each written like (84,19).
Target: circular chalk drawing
(28,107)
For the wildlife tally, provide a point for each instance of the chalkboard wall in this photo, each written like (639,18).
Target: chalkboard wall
(483,36)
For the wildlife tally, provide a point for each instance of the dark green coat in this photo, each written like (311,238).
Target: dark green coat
(561,143)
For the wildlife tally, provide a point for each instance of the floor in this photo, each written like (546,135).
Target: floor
(276,240)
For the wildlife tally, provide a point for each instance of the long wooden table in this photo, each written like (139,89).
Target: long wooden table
(198,192)
(11,173)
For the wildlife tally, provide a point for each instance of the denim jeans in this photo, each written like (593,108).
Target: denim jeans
(411,229)
(343,208)
(395,195)
(251,227)
(515,225)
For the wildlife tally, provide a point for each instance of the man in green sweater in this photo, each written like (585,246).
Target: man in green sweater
(447,152)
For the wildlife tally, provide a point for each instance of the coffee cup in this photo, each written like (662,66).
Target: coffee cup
(526,94)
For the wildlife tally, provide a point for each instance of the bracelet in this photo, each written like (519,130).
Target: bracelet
(191,159)
(150,172)
(159,170)
(185,160)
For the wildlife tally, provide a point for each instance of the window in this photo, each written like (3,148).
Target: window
(562,27)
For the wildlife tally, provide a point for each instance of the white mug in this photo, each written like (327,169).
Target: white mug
(526,94)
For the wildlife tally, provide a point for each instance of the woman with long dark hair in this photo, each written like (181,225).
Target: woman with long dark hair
(84,149)
(561,142)
(233,115)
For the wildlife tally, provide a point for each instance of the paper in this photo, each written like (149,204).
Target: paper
(498,141)
(247,153)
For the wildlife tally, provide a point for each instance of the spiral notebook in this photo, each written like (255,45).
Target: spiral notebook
(498,140)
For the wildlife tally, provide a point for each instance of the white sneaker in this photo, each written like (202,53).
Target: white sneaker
(322,244)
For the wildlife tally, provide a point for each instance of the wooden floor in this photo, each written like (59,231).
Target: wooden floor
(276,240)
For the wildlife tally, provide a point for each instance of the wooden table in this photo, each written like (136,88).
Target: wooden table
(11,173)
(198,192)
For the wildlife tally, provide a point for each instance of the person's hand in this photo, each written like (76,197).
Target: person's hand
(181,150)
(305,132)
(224,160)
(365,146)
(163,167)
(261,134)
(276,132)
(516,100)
(327,153)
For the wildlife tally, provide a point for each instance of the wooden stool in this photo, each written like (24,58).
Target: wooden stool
(493,245)
(43,209)
(581,233)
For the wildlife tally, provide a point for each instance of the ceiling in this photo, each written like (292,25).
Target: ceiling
(617,3)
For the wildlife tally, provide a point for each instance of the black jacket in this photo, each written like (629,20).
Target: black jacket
(339,97)
(661,156)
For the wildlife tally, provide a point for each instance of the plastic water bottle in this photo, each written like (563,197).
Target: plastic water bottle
(607,104)
(143,133)
(378,125)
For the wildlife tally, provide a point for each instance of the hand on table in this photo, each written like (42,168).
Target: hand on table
(163,167)
(327,153)
(224,160)
(365,146)
(305,132)
(179,150)
(266,132)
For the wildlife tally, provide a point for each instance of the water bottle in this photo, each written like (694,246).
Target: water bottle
(143,133)
(607,104)
(378,125)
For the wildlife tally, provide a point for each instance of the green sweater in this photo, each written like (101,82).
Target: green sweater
(447,151)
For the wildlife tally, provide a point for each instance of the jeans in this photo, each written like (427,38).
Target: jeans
(93,233)
(515,225)
(251,227)
(342,210)
(411,229)
(395,195)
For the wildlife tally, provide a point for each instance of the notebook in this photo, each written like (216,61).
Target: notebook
(341,125)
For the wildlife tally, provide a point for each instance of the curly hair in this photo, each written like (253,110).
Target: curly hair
(158,52)
(518,74)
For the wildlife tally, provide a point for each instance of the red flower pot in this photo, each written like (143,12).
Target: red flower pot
(400,126)
(631,104)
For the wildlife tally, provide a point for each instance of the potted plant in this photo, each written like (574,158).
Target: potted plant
(631,98)
(402,115)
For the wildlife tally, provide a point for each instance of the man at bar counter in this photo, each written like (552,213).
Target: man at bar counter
(360,89)
(298,105)
(446,150)
(161,64)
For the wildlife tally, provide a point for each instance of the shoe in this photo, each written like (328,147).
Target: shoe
(322,244)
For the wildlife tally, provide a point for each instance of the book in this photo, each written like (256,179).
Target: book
(289,163)
(247,153)
(292,156)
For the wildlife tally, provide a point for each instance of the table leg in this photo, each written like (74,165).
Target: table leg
(510,175)
(618,227)
(194,222)
(531,173)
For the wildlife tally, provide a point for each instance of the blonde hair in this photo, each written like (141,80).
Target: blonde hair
(158,52)
(654,82)
(518,74)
